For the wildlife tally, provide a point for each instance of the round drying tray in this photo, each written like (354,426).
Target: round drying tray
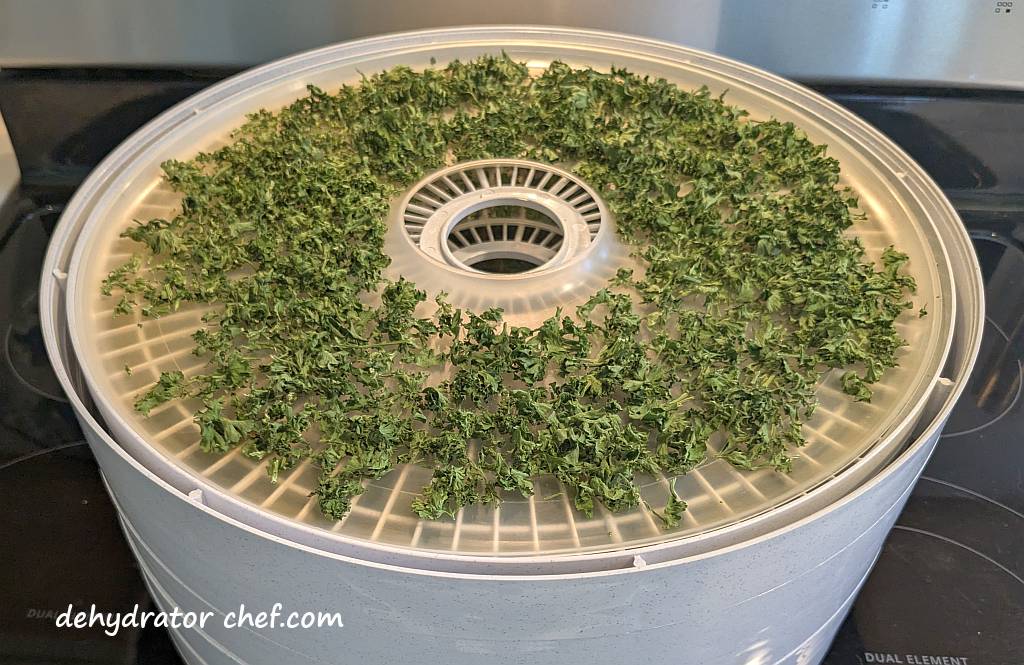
(570,250)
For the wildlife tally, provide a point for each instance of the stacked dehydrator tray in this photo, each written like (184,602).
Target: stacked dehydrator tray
(762,567)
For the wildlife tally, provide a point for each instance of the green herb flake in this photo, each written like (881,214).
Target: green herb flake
(753,289)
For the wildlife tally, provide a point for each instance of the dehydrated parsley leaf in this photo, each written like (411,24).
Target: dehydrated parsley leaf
(752,290)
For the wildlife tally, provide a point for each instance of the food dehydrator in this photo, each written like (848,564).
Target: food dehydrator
(762,568)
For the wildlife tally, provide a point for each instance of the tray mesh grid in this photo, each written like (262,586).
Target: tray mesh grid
(717,494)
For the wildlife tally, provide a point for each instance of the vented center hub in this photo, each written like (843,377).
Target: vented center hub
(502,217)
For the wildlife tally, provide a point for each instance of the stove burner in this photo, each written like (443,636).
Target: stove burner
(47,216)
(953,601)
(23,348)
(996,383)
(25,356)
(989,395)
(950,582)
(69,551)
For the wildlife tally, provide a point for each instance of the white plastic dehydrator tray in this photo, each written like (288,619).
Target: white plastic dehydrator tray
(847,441)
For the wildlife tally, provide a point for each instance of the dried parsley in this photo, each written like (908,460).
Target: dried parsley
(751,291)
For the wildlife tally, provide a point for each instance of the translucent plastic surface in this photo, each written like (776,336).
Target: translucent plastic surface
(840,432)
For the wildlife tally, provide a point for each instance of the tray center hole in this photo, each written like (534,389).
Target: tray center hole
(505,238)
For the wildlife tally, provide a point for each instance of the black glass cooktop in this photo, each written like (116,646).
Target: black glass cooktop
(947,590)
(950,581)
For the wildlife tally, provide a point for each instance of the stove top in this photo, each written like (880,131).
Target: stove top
(950,581)
(947,590)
